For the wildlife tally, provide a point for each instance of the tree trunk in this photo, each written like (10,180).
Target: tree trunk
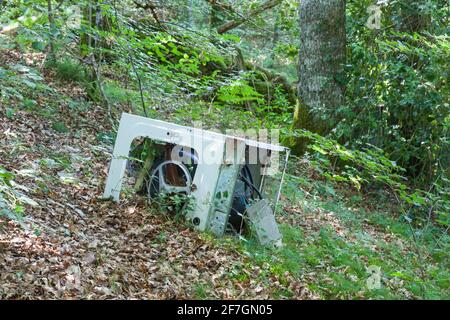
(275,37)
(51,21)
(86,39)
(190,13)
(321,64)
(94,17)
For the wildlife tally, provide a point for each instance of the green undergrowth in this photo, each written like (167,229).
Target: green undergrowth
(333,239)
(337,258)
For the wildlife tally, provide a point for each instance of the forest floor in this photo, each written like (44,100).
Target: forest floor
(71,244)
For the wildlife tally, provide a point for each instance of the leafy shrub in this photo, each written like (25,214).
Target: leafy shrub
(371,167)
(60,127)
(120,95)
(10,205)
(70,70)
(397,91)
(17,80)
(237,92)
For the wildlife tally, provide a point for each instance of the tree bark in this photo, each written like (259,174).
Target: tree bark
(86,40)
(51,21)
(275,37)
(321,63)
(145,170)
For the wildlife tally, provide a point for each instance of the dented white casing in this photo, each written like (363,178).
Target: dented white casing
(205,185)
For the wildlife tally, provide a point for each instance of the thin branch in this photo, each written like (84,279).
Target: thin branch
(133,66)
(239,21)
(223,6)
(152,7)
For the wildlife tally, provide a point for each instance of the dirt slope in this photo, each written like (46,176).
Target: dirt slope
(73,245)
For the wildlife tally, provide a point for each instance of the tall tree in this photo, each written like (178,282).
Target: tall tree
(51,20)
(321,62)
(276,35)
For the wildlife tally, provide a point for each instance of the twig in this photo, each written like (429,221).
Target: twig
(97,72)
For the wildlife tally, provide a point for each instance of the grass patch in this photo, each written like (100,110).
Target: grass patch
(60,127)
(341,266)
(70,70)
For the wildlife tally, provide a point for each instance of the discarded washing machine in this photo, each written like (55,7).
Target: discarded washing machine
(228,178)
